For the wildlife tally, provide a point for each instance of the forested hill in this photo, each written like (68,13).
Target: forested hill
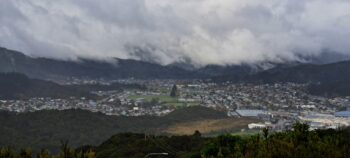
(305,73)
(45,129)
(44,68)
(326,80)
(330,89)
(297,143)
(19,86)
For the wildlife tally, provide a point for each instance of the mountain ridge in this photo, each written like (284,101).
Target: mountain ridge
(302,73)
(44,68)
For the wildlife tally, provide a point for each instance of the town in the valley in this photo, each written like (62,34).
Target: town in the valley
(277,106)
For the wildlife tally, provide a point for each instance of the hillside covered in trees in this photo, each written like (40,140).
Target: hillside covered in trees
(19,86)
(304,73)
(330,89)
(45,68)
(45,129)
(297,143)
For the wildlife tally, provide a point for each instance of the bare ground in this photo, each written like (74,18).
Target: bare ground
(210,126)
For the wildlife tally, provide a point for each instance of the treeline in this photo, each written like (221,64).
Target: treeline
(296,143)
(65,152)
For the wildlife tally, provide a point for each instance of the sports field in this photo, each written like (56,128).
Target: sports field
(163,99)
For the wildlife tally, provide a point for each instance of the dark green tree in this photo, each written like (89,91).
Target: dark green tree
(44,154)
(26,153)
(174,91)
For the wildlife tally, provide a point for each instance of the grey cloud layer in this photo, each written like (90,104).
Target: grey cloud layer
(166,31)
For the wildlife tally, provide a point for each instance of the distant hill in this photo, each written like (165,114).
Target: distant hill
(44,68)
(330,89)
(19,86)
(45,129)
(304,73)
(328,57)
(230,70)
(13,61)
(328,80)
(321,74)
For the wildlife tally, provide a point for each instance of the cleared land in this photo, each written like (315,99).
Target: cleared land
(210,126)
(161,98)
(165,100)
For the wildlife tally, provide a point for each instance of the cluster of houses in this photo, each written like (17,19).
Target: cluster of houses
(277,105)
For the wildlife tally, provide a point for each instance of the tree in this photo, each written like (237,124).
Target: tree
(26,153)
(301,132)
(265,132)
(174,91)
(197,134)
(44,154)
(7,153)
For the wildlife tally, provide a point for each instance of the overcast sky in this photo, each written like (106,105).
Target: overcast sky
(166,31)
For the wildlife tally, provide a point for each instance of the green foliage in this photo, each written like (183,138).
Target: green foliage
(7,153)
(299,142)
(45,129)
(65,152)
(44,154)
(174,91)
(296,143)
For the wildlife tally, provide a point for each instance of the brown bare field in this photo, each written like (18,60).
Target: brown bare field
(210,126)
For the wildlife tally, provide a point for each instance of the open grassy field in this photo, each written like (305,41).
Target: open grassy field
(165,100)
(211,126)
(182,104)
(161,98)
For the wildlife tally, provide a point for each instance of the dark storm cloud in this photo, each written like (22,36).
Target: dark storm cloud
(166,31)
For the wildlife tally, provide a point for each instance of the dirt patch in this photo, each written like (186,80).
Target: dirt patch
(210,126)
